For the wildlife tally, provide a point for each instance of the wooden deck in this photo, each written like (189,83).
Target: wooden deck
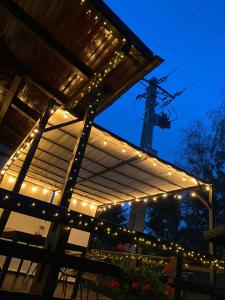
(17,284)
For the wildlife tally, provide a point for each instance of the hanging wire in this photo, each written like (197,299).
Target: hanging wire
(172,34)
(203,47)
(205,76)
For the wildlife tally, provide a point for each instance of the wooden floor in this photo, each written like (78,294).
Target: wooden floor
(18,284)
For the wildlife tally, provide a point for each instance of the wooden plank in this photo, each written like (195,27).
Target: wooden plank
(9,97)
(46,37)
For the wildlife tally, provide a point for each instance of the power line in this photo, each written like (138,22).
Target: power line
(182,24)
(203,47)
(205,76)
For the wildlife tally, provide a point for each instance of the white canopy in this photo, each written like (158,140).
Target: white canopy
(112,170)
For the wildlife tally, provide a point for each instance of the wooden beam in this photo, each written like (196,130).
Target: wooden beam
(32,78)
(13,90)
(25,109)
(50,128)
(46,37)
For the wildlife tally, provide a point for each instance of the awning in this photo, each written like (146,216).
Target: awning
(113,170)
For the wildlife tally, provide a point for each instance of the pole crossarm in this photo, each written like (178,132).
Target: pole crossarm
(64,124)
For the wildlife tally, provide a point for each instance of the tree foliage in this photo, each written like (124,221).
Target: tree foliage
(202,152)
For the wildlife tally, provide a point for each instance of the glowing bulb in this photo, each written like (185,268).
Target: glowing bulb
(145,200)
(11,179)
(184,179)
(123,150)
(193,194)
(169,173)
(92,206)
(84,204)
(207,188)
(154,199)
(23,185)
(74,201)
(154,164)
(164,195)
(45,191)
(105,142)
(36,130)
(129,203)
(139,154)
(2,172)
(179,197)
(52,111)
(34,188)
(122,204)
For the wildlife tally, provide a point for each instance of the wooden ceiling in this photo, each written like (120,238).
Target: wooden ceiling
(65,50)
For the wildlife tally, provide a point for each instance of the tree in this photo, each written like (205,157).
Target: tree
(163,218)
(203,153)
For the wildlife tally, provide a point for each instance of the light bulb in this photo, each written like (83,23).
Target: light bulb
(123,150)
(164,195)
(34,188)
(74,201)
(170,173)
(184,179)
(105,142)
(11,179)
(193,194)
(179,197)
(45,191)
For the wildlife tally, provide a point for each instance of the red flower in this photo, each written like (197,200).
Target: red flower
(120,247)
(170,290)
(146,287)
(170,280)
(166,269)
(134,285)
(114,284)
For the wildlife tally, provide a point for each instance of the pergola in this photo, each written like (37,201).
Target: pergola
(62,63)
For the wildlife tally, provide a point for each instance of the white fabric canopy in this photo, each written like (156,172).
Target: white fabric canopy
(112,170)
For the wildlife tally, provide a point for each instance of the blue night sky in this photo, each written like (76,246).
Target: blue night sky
(155,22)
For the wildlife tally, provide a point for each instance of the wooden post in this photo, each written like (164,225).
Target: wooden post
(211,246)
(15,86)
(178,290)
(46,277)
(26,164)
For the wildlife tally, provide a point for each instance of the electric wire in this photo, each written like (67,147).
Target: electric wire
(172,34)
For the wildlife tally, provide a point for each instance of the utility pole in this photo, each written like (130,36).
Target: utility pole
(154,96)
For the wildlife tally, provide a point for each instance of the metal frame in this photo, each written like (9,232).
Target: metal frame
(46,276)
(24,169)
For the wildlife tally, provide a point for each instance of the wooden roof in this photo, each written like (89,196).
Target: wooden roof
(64,50)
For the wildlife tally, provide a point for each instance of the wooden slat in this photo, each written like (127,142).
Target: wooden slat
(9,97)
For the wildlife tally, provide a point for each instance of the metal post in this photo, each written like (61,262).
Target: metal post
(211,246)
(26,164)
(46,276)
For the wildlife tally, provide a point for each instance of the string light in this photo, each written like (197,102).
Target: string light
(123,149)
(12,179)
(105,142)
(34,188)
(45,191)
(193,194)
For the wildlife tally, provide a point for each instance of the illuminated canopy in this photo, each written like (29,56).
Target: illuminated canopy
(112,171)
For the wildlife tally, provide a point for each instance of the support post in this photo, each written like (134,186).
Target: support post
(178,290)
(26,164)
(211,246)
(46,277)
